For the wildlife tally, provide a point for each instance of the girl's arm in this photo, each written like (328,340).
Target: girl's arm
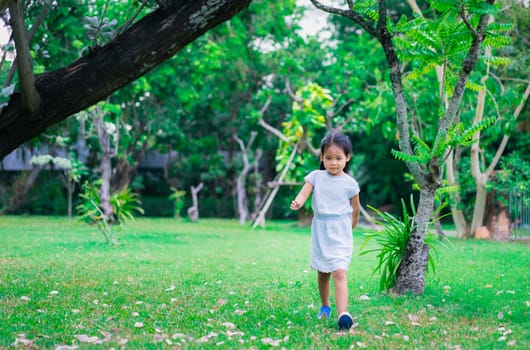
(356,205)
(302,196)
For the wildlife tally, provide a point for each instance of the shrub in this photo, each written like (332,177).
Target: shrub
(125,204)
(392,244)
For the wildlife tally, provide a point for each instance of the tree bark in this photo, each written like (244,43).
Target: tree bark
(193,211)
(105,166)
(259,180)
(456,213)
(136,51)
(411,271)
(29,95)
(241,181)
(480,204)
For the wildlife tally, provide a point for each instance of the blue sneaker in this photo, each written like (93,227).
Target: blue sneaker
(345,321)
(325,312)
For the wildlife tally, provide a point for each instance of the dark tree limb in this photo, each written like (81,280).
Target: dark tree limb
(136,51)
(29,94)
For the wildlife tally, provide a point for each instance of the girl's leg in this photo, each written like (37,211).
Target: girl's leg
(341,290)
(324,287)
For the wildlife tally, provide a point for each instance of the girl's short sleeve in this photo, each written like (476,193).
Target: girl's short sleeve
(354,189)
(310,178)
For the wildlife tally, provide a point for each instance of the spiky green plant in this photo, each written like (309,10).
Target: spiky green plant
(125,204)
(391,244)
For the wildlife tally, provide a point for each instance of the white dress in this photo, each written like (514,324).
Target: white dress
(331,231)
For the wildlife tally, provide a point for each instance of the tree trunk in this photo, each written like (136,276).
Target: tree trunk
(21,187)
(457,214)
(70,187)
(105,166)
(241,188)
(104,191)
(193,211)
(123,175)
(259,180)
(411,271)
(242,202)
(480,205)
(136,51)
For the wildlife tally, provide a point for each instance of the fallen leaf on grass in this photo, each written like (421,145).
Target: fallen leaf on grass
(158,338)
(178,335)
(83,338)
(414,320)
(207,338)
(66,347)
(21,339)
(234,334)
(271,342)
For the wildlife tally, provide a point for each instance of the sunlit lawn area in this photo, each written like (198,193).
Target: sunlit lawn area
(173,284)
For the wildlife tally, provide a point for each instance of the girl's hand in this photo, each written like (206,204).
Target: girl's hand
(295,205)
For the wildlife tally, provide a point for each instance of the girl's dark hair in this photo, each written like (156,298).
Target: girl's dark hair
(339,140)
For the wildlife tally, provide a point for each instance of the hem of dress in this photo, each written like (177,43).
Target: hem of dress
(327,270)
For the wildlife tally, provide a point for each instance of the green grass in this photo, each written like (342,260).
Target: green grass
(172,284)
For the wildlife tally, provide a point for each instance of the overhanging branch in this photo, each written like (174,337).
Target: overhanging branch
(90,79)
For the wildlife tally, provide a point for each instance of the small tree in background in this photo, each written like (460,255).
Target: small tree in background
(125,203)
(71,172)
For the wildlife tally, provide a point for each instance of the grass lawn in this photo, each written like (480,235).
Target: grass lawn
(175,284)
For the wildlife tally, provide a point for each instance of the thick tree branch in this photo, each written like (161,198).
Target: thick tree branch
(143,46)
(38,22)
(29,96)
(467,66)
(402,119)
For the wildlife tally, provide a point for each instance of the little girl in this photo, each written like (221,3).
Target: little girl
(336,209)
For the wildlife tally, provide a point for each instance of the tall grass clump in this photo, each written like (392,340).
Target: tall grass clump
(391,244)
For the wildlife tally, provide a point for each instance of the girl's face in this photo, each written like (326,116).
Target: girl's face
(334,160)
